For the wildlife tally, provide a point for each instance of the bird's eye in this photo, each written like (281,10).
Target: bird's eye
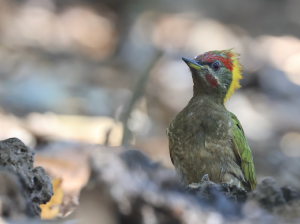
(216,66)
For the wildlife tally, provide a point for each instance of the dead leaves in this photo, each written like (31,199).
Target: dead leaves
(51,209)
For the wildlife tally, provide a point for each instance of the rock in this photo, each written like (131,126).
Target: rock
(290,194)
(208,191)
(269,195)
(279,204)
(278,200)
(225,198)
(14,203)
(36,187)
(138,189)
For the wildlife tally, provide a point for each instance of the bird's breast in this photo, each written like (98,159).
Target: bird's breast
(201,143)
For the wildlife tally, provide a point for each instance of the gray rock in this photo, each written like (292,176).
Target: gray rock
(14,204)
(18,159)
(271,197)
(136,188)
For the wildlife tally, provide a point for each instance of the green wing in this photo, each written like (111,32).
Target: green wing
(243,151)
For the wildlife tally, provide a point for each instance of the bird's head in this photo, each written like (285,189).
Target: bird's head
(216,73)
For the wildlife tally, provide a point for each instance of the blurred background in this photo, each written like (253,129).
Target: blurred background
(69,70)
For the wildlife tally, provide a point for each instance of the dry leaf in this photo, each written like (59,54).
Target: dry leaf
(51,209)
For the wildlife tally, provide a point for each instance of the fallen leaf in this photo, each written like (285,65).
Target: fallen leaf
(51,209)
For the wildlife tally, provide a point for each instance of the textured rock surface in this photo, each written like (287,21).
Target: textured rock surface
(225,198)
(36,186)
(127,187)
(137,190)
(209,191)
(271,197)
(14,203)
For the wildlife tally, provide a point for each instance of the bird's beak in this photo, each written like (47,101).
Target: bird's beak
(193,64)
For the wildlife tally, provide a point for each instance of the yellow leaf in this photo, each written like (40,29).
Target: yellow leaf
(51,209)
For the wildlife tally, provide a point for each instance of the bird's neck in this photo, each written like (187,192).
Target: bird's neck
(207,98)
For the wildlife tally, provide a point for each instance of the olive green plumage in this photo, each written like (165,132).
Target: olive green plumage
(205,138)
(243,152)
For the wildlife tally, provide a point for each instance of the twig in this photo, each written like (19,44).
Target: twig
(137,93)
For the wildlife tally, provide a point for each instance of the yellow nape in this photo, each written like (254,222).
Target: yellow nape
(237,69)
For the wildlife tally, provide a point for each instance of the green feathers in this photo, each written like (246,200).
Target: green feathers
(243,152)
(205,138)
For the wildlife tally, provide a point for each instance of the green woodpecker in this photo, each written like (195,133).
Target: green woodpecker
(205,138)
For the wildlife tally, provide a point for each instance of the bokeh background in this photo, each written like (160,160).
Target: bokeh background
(69,70)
